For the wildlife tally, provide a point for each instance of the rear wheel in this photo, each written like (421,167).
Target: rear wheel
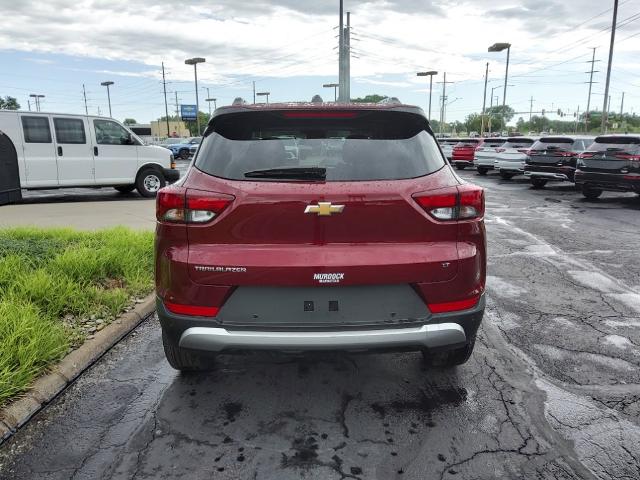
(538,182)
(185,360)
(482,170)
(506,175)
(184,154)
(125,188)
(460,167)
(450,358)
(591,193)
(149,181)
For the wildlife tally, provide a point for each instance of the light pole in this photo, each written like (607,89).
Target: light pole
(107,84)
(195,61)
(335,89)
(498,47)
(429,74)
(36,98)
(264,94)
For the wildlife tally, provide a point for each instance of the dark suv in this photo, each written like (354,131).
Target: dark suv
(319,227)
(612,162)
(554,158)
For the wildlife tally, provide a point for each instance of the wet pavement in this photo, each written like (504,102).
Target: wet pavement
(552,390)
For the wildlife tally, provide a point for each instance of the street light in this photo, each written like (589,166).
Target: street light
(37,100)
(195,61)
(335,89)
(498,47)
(264,94)
(430,74)
(106,84)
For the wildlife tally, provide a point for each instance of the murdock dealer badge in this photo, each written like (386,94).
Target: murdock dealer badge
(328,277)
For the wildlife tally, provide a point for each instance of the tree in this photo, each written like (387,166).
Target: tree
(9,103)
(130,121)
(374,98)
(193,126)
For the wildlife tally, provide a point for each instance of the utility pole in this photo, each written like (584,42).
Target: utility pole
(254,92)
(621,106)
(530,110)
(347,59)
(575,130)
(592,62)
(484,100)
(208,100)
(166,107)
(606,88)
(177,114)
(29,104)
(84,94)
(341,53)
(444,99)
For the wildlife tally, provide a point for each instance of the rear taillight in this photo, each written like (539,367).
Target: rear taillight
(464,202)
(526,151)
(586,155)
(626,156)
(179,205)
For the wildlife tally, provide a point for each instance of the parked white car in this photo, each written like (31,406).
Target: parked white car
(51,150)
(485,155)
(511,156)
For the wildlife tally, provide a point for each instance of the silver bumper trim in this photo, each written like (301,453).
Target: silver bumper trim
(220,339)
(558,176)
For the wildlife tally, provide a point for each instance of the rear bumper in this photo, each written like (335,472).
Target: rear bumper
(609,181)
(171,174)
(550,173)
(441,331)
(514,167)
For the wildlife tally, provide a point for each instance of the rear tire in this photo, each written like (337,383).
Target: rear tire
(506,175)
(185,360)
(184,154)
(591,193)
(482,170)
(451,358)
(460,167)
(149,181)
(125,188)
(538,183)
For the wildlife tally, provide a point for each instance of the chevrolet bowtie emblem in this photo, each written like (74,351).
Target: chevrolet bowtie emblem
(324,209)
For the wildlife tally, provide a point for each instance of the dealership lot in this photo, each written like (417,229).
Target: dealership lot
(552,390)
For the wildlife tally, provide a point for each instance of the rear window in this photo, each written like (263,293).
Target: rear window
(493,143)
(351,146)
(616,144)
(517,142)
(470,141)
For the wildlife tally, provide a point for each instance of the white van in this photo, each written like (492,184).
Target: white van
(60,150)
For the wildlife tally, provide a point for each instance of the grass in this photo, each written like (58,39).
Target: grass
(59,285)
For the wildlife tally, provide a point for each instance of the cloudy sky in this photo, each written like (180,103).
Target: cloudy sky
(288,47)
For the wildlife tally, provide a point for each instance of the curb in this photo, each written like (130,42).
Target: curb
(49,385)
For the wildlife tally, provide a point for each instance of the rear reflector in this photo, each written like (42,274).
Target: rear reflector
(453,306)
(192,310)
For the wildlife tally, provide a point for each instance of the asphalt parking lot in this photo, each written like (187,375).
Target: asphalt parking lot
(552,390)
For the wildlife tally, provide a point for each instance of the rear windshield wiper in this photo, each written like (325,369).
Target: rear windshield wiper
(295,173)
